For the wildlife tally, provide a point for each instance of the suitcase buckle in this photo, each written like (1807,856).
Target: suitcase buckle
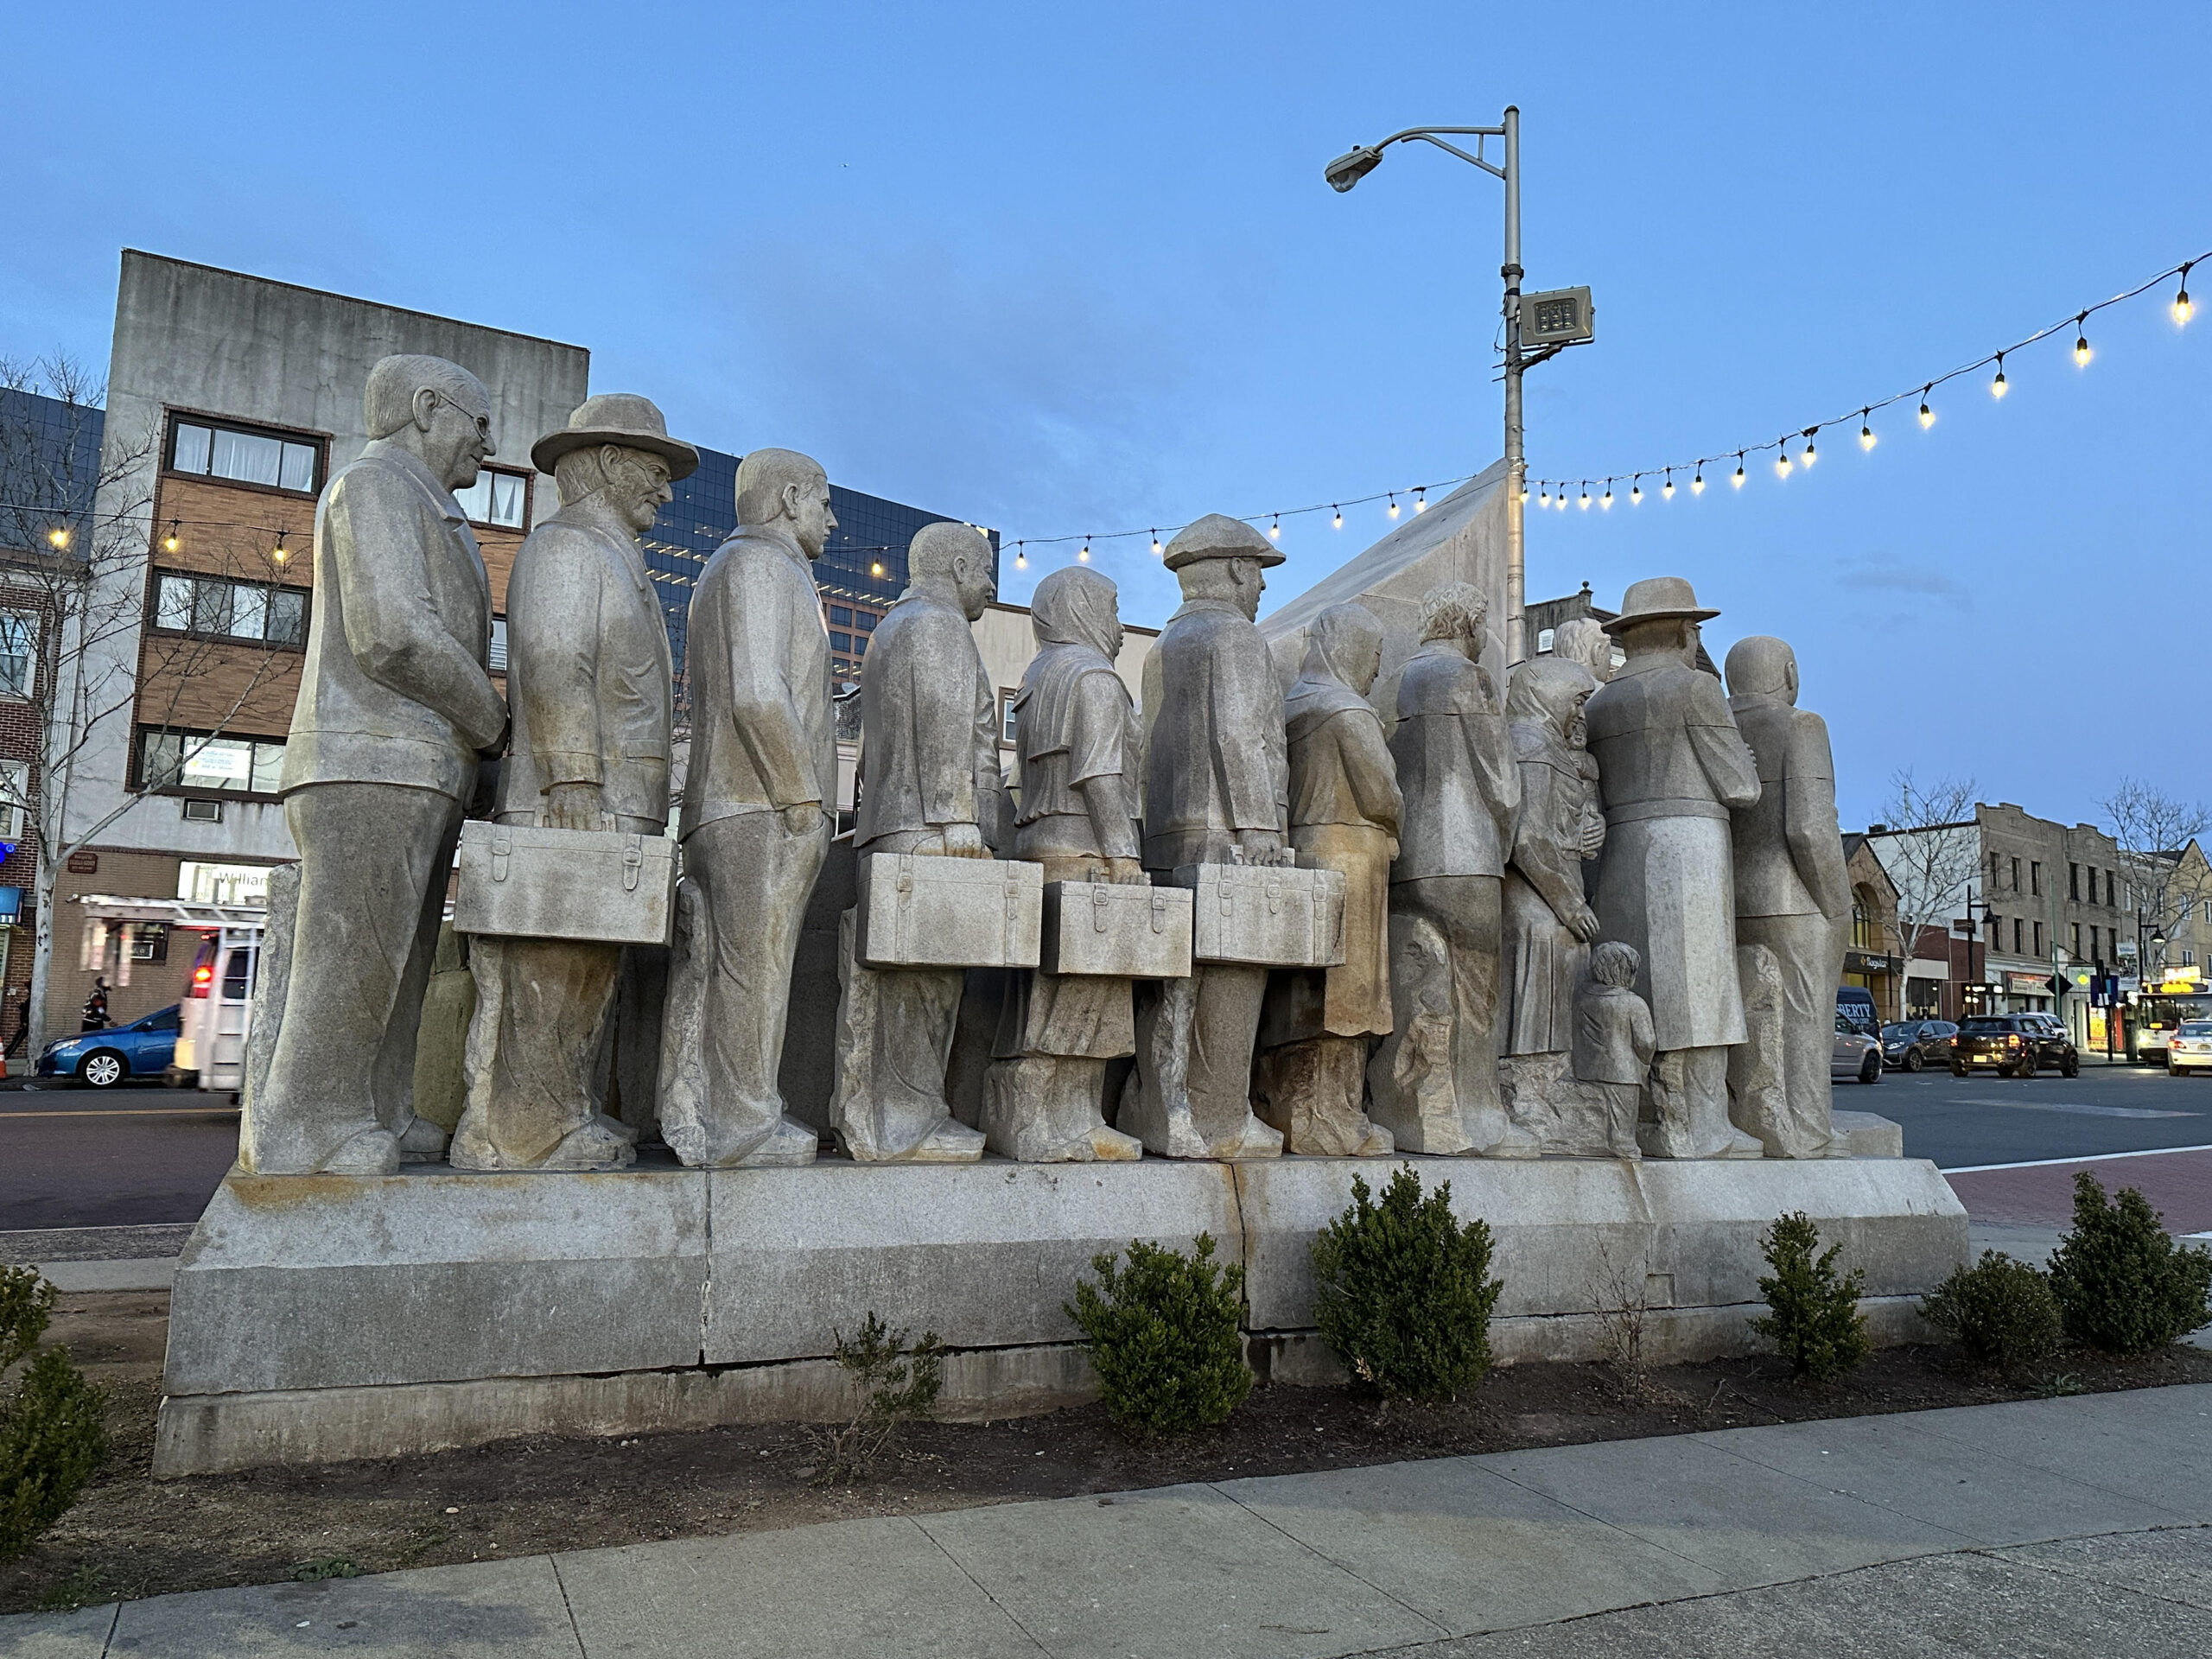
(634,861)
(502,846)
(1097,911)
(1158,910)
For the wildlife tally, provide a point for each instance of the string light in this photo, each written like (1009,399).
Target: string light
(169,541)
(1420,499)
(1524,489)
(280,552)
(1810,455)
(1636,491)
(1607,504)
(2181,300)
(1585,502)
(2081,352)
(1084,556)
(1866,432)
(1697,484)
(875,566)
(1927,415)
(1738,479)
(1781,458)
(1020,558)
(1274,530)
(1667,490)
(1155,538)
(58,537)
(1339,511)
(1544,497)
(1997,387)
(1394,507)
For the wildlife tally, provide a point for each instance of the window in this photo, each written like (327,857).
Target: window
(215,608)
(2035,878)
(14,797)
(840,616)
(246,457)
(498,499)
(866,621)
(2074,882)
(1544,637)
(2208,910)
(2189,958)
(18,653)
(2016,937)
(2016,876)
(2077,940)
(495,655)
(2092,884)
(1862,925)
(1006,717)
(841,641)
(231,766)
(2038,938)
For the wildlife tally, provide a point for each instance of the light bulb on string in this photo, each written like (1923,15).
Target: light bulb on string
(1394,507)
(1781,459)
(1274,530)
(1020,558)
(1810,455)
(57,538)
(1543,494)
(1636,491)
(2181,300)
(1155,543)
(280,552)
(1585,502)
(1997,387)
(1667,490)
(1420,499)
(170,542)
(1697,484)
(1083,557)
(1738,479)
(1524,489)
(1607,503)
(1927,415)
(2081,352)
(875,566)
(1339,511)
(1865,431)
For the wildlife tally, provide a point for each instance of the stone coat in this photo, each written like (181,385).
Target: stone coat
(759,657)
(1455,770)
(1544,960)
(1345,809)
(929,725)
(589,675)
(1789,845)
(394,689)
(1671,766)
(1218,762)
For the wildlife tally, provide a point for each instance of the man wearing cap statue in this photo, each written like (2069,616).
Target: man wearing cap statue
(590,682)
(1792,893)
(1217,791)
(1672,767)
(928,783)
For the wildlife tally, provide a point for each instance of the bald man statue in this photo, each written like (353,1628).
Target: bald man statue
(1792,893)
(928,783)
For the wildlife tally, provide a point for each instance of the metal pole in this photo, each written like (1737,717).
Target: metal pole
(1517,466)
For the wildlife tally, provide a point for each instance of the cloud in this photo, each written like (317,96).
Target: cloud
(1890,577)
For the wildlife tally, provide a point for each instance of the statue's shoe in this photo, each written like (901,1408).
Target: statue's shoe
(1516,1143)
(1100,1146)
(949,1142)
(1258,1139)
(785,1146)
(598,1144)
(422,1142)
(371,1152)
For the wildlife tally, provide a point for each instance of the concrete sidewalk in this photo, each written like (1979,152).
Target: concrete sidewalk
(2053,1526)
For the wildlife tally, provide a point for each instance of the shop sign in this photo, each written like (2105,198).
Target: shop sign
(84,864)
(2027,984)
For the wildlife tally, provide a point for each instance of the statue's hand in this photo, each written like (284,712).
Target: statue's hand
(1593,837)
(572,806)
(962,841)
(1259,846)
(1126,872)
(1583,924)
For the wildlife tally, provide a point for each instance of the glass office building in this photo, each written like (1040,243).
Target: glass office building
(860,572)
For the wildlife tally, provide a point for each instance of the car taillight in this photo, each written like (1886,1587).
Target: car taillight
(200,976)
(2011,1042)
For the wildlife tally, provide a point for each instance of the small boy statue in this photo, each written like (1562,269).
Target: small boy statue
(1613,1040)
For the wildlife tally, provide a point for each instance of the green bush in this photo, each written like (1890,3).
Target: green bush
(1402,1292)
(898,1382)
(1163,1335)
(2000,1311)
(2122,1286)
(53,1431)
(1815,1322)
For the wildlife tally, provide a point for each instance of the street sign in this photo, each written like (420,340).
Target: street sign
(1558,316)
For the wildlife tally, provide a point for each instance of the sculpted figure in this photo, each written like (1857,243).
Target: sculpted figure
(590,678)
(929,782)
(1078,749)
(755,823)
(1461,795)
(1583,639)
(1344,805)
(1671,767)
(1548,926)
(1792,894)
(1216,784)
(1613,1042)
(394,709)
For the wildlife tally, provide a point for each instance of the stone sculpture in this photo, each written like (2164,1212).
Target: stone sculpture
(1614,1045)
(1792,893)
(394,712)
(1216,782)
(1078,746)
(1434,1080)
(929,782)
(1549,924)
(755,823)
(1758,1072)
(1311,1078)
(1583,639)
(1671,767)
(590,679)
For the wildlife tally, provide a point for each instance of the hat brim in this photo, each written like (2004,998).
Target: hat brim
(1270,556)
(1622,623)
(683,460)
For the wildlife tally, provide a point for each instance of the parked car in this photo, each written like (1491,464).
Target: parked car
(1856,1055)
(1916,1045)
(2190,1049)
(2019,1044)
(104,1058)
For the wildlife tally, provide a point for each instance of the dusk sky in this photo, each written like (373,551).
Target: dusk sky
(1062,269)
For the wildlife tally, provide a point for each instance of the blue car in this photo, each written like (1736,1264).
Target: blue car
(104,1058)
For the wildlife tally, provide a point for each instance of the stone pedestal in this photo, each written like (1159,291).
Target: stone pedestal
(322,1317)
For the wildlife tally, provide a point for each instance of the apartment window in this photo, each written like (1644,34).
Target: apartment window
(2092,884)
(501,500)
(246,457)
(1544,640)
(866,621)
(1006,717)
(2035,878)
(214,607)
(840,616)
(2208,910)
(495,655)
(1862,925)
(230,765)
(14,797)
(2094,957)
(2074,882)
(2016,876)
(839,641)
(18,653)
(2189,958)
(2038,938)
(2076,935)
(2016,937)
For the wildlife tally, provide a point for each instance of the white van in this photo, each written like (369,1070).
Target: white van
(217,1011)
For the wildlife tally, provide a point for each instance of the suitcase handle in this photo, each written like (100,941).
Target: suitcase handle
(633,863)
(1158,910)
(1098,912)
(502,848)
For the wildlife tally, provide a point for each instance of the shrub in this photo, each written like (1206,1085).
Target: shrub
(53,1431)
(1816,1322)
(2122,1286)
(899,1383)
(1402,1292)
(1163,1336)
(2000,1311)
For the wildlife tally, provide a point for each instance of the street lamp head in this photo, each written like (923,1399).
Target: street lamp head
(1352,167)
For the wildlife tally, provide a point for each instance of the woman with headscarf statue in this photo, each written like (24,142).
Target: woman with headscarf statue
(1078,749)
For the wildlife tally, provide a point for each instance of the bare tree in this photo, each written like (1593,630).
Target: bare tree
(1932,853)
(77,596)
(2152,831)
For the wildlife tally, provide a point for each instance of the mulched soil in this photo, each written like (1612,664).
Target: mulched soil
(130,1535)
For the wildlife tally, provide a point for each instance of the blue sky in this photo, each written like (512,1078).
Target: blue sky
(1065,269)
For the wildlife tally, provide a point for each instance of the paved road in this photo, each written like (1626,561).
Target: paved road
(2048,1527)
(1985,1118)
(74,1157)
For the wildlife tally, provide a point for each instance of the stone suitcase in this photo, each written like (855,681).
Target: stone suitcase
(520,881)
(932,911)
(1126,932)
(1266,914)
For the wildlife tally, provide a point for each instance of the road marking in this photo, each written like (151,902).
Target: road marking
(2093,1157)
(2075,1106)
(129,1111)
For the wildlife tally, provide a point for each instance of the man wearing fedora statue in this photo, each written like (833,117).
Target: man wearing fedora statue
(1671,766)
(590,681)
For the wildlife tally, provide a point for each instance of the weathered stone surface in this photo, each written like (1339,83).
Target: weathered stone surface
(1759,1099)
(1113,928)
(929,911)
(441,1045)
(1312,1091)
(1867,1134)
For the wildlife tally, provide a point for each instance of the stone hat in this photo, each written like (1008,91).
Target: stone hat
(621,417)
(1219,537)
(1656,599)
